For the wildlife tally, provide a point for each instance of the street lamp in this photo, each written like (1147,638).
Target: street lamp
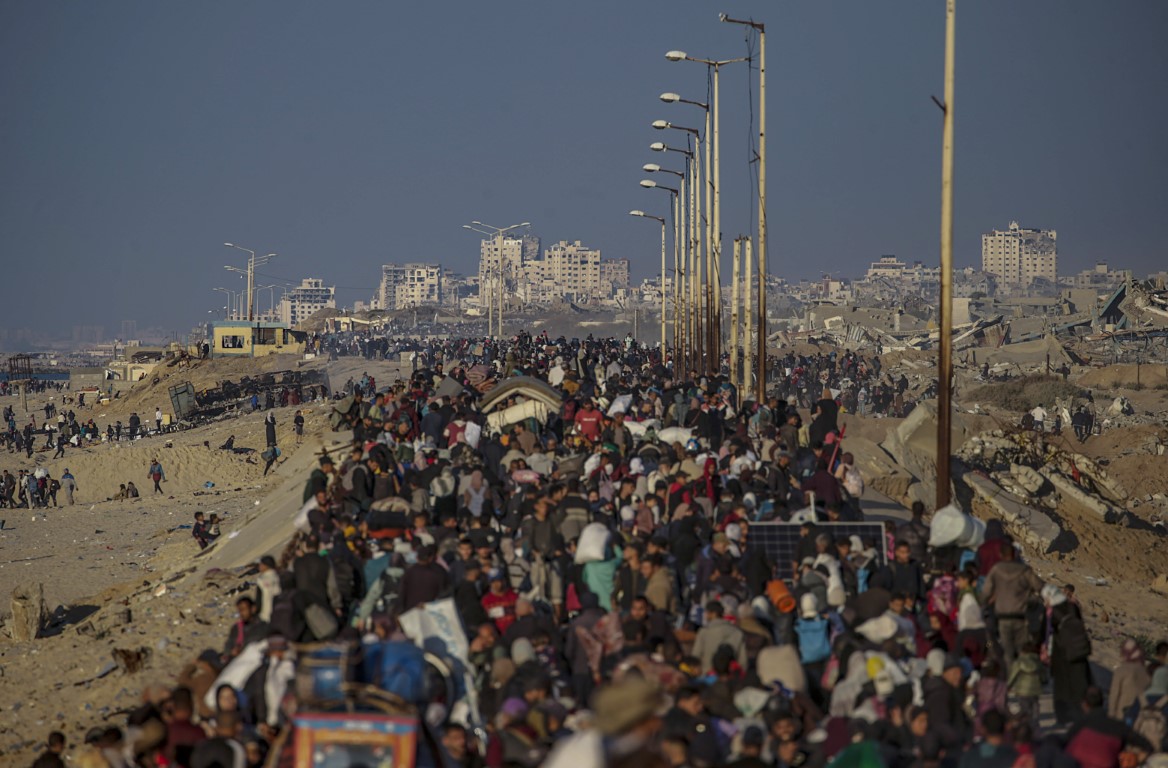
(713,292)
(654,168)
(703,324)
(497,233)
(690,230)
(230,300)
(661,221)
(714,179)
(253,261)
(678,195)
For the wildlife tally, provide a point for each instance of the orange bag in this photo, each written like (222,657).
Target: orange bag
(780,597)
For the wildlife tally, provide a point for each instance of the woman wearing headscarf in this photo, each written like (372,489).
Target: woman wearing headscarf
(1131,678)
(1070,649)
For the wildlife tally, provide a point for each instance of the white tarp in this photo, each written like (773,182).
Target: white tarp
(498,421)
(435,627)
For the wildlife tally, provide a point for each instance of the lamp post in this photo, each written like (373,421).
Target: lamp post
(230,294)
(253,261)
(688,223)
(760,384)
(714,175)
(713,285)
(703,283)
(660,220)
(497,233)
(678,269)
(271,289)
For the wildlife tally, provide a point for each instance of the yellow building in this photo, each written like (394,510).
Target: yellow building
(241,338)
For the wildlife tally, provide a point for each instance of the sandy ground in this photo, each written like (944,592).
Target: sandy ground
(79,550)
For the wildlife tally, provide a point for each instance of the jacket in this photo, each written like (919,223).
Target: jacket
(715,634)
(1130,680)
(1009,587)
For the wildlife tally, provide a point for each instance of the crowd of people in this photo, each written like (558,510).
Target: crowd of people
(617,603)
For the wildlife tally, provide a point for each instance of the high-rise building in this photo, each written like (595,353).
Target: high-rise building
(1017,256)
(566,270)
(614,275)
(510,257)
(305,300)
(409,285)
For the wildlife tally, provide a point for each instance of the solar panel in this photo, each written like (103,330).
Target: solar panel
(780,540)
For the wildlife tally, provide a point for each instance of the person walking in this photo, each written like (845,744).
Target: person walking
(1010,588)
(298,427)
(270,429)
(158,419)
(157,474)
(68,485)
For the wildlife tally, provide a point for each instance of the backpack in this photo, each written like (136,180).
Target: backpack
(814,645)
(1151,723)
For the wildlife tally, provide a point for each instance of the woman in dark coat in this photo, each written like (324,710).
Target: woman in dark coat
(1070,649)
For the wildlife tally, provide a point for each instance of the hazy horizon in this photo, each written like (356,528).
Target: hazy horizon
(137,138)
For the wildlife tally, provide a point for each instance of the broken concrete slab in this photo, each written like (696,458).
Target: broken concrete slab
(1027,524)
(913,445)
(1107,485)
(1028,478)
(877,468)
(1072,494)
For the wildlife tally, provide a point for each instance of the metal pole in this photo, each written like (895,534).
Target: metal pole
(684,238)
(760,383)
(502,288)
(713,299)
(677,338)
(695,256)
(714,233)
(662,287)
(487,289)
(735,284)
(945,361)
(694,265)
(747,324)
(250,280)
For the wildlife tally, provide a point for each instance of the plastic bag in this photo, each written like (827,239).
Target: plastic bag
(590,547)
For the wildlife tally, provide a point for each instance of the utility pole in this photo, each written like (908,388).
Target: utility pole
(760,384)
(713,297)
(735,282)
(747,323)
(945,358)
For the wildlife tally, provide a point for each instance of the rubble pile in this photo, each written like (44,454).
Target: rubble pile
(1032,484)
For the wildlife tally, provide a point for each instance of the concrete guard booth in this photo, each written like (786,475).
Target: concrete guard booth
(243,338)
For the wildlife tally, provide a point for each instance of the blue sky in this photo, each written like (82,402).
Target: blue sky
(137,137)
